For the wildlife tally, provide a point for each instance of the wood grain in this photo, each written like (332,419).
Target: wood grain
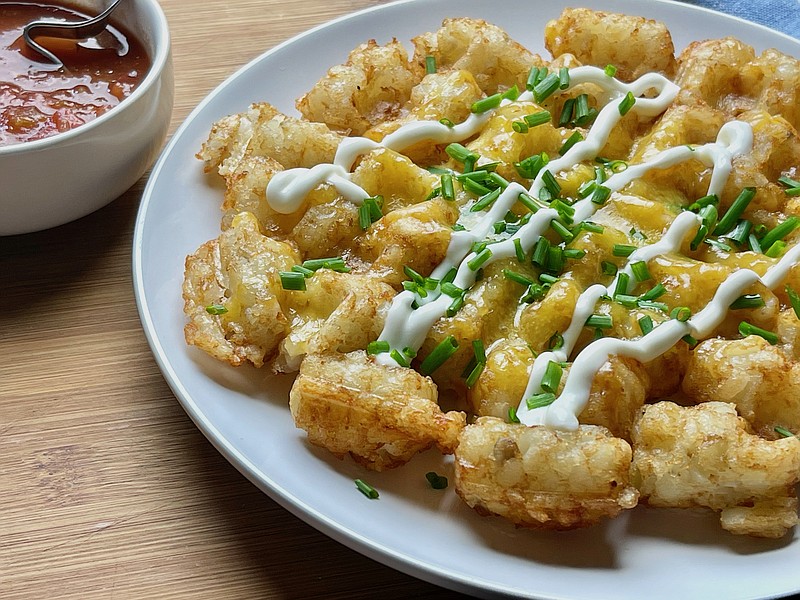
(107,490)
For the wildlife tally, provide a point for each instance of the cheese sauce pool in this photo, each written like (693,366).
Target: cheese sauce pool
(407,327)
(38,100)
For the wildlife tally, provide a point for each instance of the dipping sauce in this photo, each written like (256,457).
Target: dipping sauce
(37,99)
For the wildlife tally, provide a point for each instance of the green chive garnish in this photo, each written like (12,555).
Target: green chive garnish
(681,313)
(561,230)
(746,329)
(610,70)
(623,250)
(654,293)
(430,64)
(519,126)
(378,347)
(486,200)
(552,377)
(555,342)
(443,350)
(512,415)
(646,324)
(517,277)
(519,250)
(783,432)
(334,264)
(540,400)
(563,78)
(399,358)
(780,232)
(447,122)
(479,259)
(448,192)
(438,482)
(571,141)
(792,186)
(488,103)
(460,153)
(600,322)
(731,216)
(216,309)
(627,103)
(622,285)
(291,280)
(574,253)
(600,194)
(546,87)
(537,118)
(366,489)
(608,268)
(748,301)
(567,110)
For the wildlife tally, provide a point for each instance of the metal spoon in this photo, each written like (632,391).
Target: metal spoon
(79,30)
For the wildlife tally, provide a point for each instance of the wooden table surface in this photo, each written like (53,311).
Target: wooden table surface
(107,489)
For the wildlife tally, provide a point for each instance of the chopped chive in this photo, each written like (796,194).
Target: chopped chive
(366,489)
(627,300)
(447,122)
(415,288)
(519,250)
(794,299)
(555,259)
(439,355)
(746,329)
(511,93)
(450,276)
(486,200)
(533,294)
(783,432)
(708,217)
(792,186)
(646,324)
(561,230)
(567,110)
(455,306)
(748,301)
(776,249)
(623,284)
(497,179)
(753,242)
(430,64)
(303,270)
(731,216)
(608,268)
(370,211)
(600,194)
(399,358)
(574,253)
(488,103)
(555,342)
(640,271)
(334,264)
(530,167)
(571,141)
(591,227)
(499,226)
(627,103)
(681,313)
(540,252)
(291,280)
(436,481)
(610,70)
(378,347)
(740,232)
(654,293)
(528,202)
(216,309)
(651,304)
(623,250)
(535,75)
(517,277)
(448,192)
(540,400)
(413,275)
(586,188)
(460,153)
(512,415)
(448,289)
(472,378)
(563,78)
(704,201)
(600,321)
(551,184)
(519,126)
(690,341)
(547,278)
(537,118)
(552,377)
(565,211)
(472,186)
(780,232)
(546,87)
(479,259)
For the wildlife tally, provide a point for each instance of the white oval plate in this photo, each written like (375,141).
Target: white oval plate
(658,554)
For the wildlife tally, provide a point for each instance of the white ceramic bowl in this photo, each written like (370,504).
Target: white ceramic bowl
(55,180)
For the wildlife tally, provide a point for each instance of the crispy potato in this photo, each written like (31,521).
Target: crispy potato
(381,416)
(761,380)
(495,60)
(537,477)
(705,456)
(239,271)
(632,44)
(371,87)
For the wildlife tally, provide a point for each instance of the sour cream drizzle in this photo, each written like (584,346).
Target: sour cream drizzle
(407,327)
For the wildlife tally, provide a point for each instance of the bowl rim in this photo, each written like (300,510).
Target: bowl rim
(160,58)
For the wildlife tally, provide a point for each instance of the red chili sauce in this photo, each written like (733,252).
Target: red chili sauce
(37,99)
